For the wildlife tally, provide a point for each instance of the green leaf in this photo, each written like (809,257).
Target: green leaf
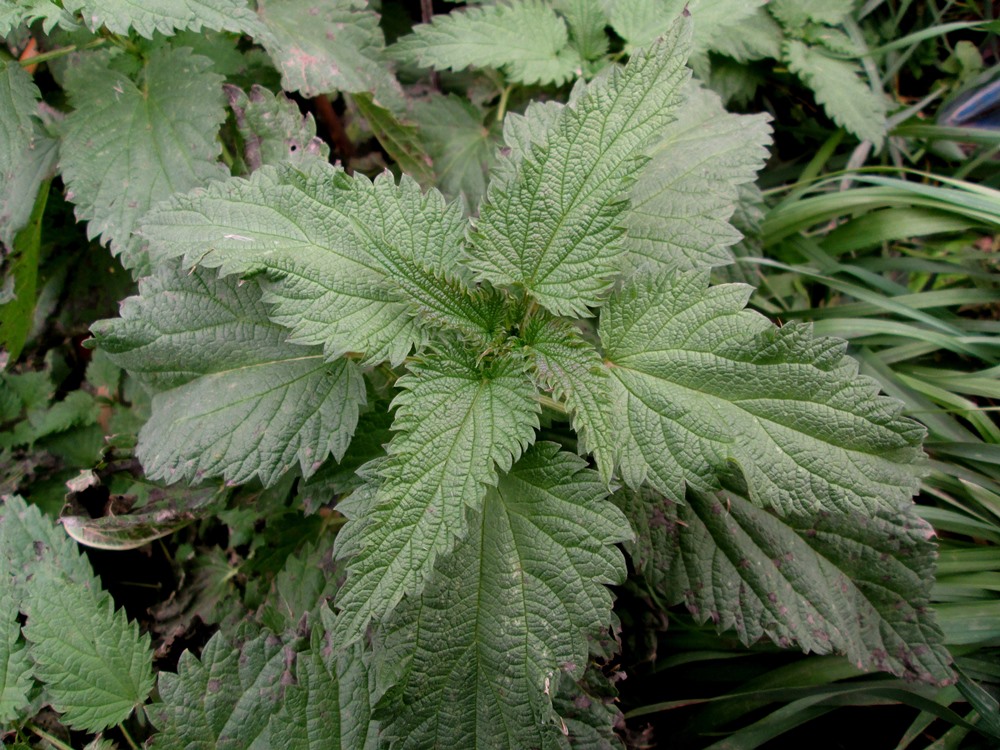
(15,665)
(481,652)
(526,39)
(243,402)
(308,580)
(682,200)
(795,14)
(706,392)
(640,22)
(399,139)
(17,315)
(551,219)
(848,100)
(328,706)
(153,138)
(572,369)
(457,420)
(13,13)
(461,147)
(224,700)
(273,129)
(164,16)
(754,37)
(587,20)
(96,665)
(852,583)
(27,155)
(325,47)
(351,262)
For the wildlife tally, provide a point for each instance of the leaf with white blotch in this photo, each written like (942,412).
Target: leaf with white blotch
(683,199)
(273,129)
(458,420)
(13,13)
(461,146)
(328,706)
(15,665)
(639,22)
(480,654)
(837,85)
(568,365)
(223,700)
(551,218)
(706,392)
(350,263)
(525,39)
(164,16)
(128,145)
(851,583)
(95,665)
(242,401)
(795,14)
(323,47)
(27,155)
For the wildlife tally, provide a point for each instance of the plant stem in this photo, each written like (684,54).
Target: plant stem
(128,737)
(55,54)
(55,742)
(504,97)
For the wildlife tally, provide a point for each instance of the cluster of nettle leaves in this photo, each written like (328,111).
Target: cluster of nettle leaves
(747,469)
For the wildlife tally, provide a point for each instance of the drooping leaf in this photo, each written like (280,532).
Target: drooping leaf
(21,272)
(851,583)
(128,145)
(551,218)
(480,654)
(242,401)
(572,369)
(848,100)
(273,129)
(224,700)
(461,146)
(457,421)
(164,16)
(682,200)
(351,262)
(95,665)
(399,139)
(526,39)
(27,155)
(323,47)
(707,392)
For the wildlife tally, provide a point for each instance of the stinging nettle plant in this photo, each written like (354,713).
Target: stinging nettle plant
(748,470)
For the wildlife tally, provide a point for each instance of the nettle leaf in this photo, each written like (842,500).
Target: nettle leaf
(95,665)
(852,583)
(707,392)
(586,20)
(351,263)
(754,37)
(551,219)
(128,145)
(242,401)
(795,14)
(273,129)
(322,47)
(526,39)
(569,366)
(838,86)
(457,421)
(640,22)
(164,16)
(13,13)
(224,699)
(27,155)
(460,145)
(683,199)
(482,650)
(15,666)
